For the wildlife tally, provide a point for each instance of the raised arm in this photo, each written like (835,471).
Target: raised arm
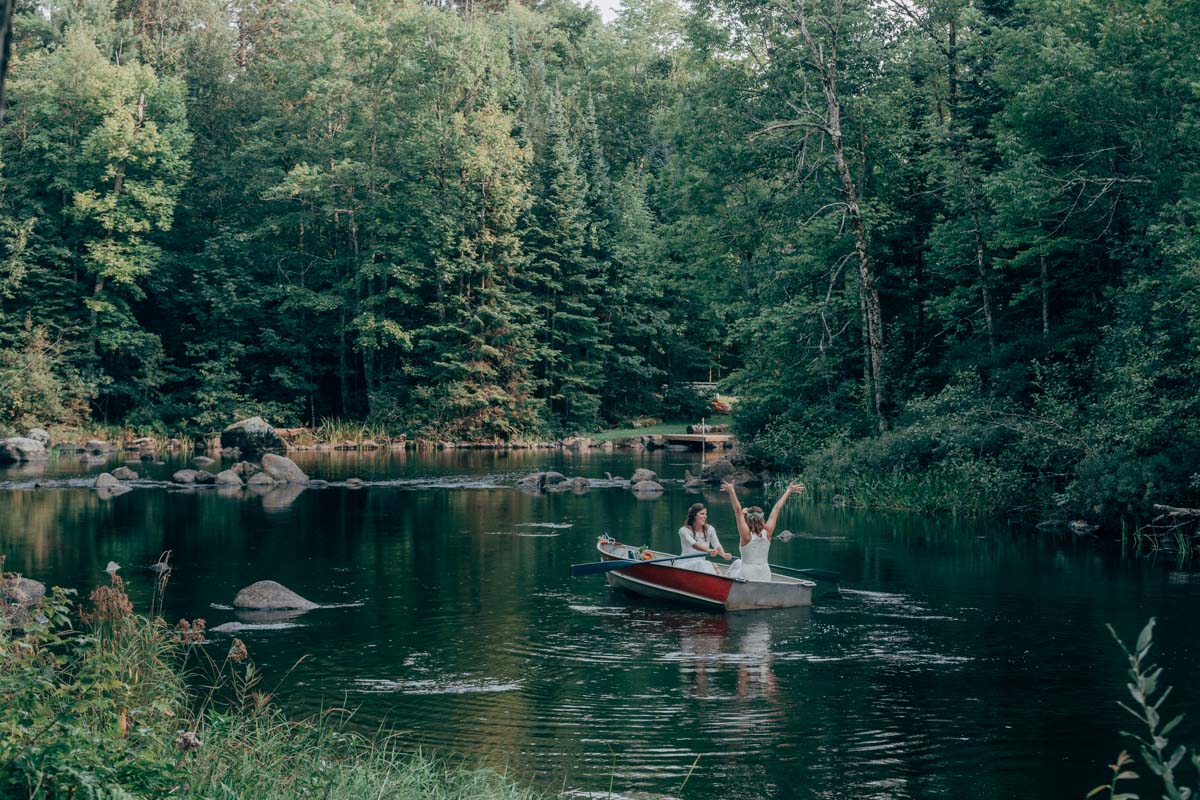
(743,529)
(794,488)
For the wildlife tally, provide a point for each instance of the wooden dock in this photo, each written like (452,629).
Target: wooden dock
(706,440)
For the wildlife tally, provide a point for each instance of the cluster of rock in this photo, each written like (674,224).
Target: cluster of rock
(35,447)
(275,469)
(742,470)
(644,482)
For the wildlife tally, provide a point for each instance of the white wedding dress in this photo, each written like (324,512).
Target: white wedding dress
(687,539)
(753,564)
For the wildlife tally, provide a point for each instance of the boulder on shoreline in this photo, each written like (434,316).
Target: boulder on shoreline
(269,595)
(39,435)
(252,436)
(20,449)
(17,596)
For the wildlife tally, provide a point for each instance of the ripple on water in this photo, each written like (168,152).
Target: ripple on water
(434,686)
(238,627)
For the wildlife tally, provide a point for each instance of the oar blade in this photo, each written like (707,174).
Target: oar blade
(821,575)
(813,574)
(596,567)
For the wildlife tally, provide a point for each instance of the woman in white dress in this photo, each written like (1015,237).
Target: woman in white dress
(697,536)
(755,531)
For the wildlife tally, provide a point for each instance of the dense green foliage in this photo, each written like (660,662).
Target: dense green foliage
(945,244)
(102,711)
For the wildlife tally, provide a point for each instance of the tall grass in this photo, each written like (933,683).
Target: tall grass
(103,710)
(337,431)
(967,489)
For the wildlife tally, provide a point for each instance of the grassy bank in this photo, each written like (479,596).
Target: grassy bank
(100,706)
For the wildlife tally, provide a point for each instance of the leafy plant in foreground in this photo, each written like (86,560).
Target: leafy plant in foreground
(1144,687)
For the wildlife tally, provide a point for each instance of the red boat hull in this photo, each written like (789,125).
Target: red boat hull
(718,592)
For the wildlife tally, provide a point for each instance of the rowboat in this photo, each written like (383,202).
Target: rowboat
(672,580)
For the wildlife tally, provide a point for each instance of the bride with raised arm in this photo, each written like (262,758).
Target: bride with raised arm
(755,531)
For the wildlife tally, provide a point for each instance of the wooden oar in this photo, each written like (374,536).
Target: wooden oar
(815,574)
(595,567)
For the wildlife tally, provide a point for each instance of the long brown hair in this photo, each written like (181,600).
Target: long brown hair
(693,512)
(755,519)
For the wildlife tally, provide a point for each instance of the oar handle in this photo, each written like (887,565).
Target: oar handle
(595,567)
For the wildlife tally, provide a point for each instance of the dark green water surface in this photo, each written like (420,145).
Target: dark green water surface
(962,660)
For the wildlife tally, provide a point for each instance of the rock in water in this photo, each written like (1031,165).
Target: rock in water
(124,474)
(254,435)
(105,479)
(283,469)
(184,476)
(271,595)
(228,478)
(640,475)
(647,487)
(742,470)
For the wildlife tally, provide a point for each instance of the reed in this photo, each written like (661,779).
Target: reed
(337,431)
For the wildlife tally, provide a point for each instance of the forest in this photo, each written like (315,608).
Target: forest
(941,252)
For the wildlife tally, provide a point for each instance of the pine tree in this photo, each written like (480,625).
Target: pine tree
(567,281)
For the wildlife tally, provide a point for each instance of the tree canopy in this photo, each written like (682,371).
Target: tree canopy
(942,237)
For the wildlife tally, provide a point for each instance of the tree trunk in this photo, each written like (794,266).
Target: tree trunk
(867,277)
(959,150)
(1045,298)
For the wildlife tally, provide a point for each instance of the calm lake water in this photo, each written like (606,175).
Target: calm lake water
(961,659)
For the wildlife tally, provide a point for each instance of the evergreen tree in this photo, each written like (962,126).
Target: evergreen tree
(568,282)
